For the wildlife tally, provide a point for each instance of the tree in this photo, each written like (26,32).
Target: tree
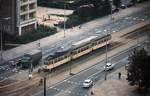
(106,9)
(139,68)
(117,3)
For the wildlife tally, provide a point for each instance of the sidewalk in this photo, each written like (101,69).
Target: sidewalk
(114,86)
(19,51)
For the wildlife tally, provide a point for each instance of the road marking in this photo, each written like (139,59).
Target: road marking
(91,76)
(72,82)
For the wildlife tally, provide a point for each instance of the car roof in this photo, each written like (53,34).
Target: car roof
(108,64)
(87,80)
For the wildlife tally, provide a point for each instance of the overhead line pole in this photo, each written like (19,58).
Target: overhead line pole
(64,20)
(1,43)
(106,56)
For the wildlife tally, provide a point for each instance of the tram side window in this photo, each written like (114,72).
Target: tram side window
(60,58)
(75,51)
(99,42)
(102,41)
(79,50)
(51,62)
(55,61)
(66,56)
(94,44)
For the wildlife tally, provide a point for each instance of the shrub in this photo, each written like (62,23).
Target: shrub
(40,32)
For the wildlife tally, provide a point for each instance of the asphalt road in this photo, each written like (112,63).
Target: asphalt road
(113,26)
(73,85)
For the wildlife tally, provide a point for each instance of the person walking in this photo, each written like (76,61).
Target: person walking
(41,82)
(119,75)
(80,27)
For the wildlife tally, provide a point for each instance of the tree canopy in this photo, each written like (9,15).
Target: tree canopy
(139,68)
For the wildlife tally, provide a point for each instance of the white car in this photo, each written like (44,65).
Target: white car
(108,66)
(87,83)
(123,6)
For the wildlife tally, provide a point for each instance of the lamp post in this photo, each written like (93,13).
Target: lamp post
(70,72)
(106,57)
(106,50)
(64,20)
(1,43)
(111,3)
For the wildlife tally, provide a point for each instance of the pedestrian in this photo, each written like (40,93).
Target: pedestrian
(49,17)
(30,76)
(41,82)
(92,92)
(119,75)
(39,70)
(80,27)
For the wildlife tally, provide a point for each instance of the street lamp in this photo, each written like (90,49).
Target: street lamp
(70,72)
(1,44)
(64,20)
(1,27)
(111,3)
(106,57)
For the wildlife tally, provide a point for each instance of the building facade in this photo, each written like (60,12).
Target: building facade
(22,16)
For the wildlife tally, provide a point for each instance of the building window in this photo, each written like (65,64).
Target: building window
(23,1)
(24,17)
(32,15)
(32,6)
(24,8)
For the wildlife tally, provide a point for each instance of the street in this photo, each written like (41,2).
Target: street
(73,86)
(111,27)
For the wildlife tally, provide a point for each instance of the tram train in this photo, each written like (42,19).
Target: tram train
(76,50)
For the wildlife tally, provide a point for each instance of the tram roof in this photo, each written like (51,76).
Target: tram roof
(84,41)
(100,37)
(59,52)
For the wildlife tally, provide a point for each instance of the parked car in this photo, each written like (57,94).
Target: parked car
(87,83)
(122,6)
(108,66)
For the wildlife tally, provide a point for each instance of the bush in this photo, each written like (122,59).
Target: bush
(40,32)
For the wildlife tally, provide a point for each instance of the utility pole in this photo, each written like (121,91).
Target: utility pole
(106,61)
(106,57)
(111,3)
(44,86)
(64,20)
(1,43)
(70,73)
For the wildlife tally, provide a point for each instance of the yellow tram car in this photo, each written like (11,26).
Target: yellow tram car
(76,50)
